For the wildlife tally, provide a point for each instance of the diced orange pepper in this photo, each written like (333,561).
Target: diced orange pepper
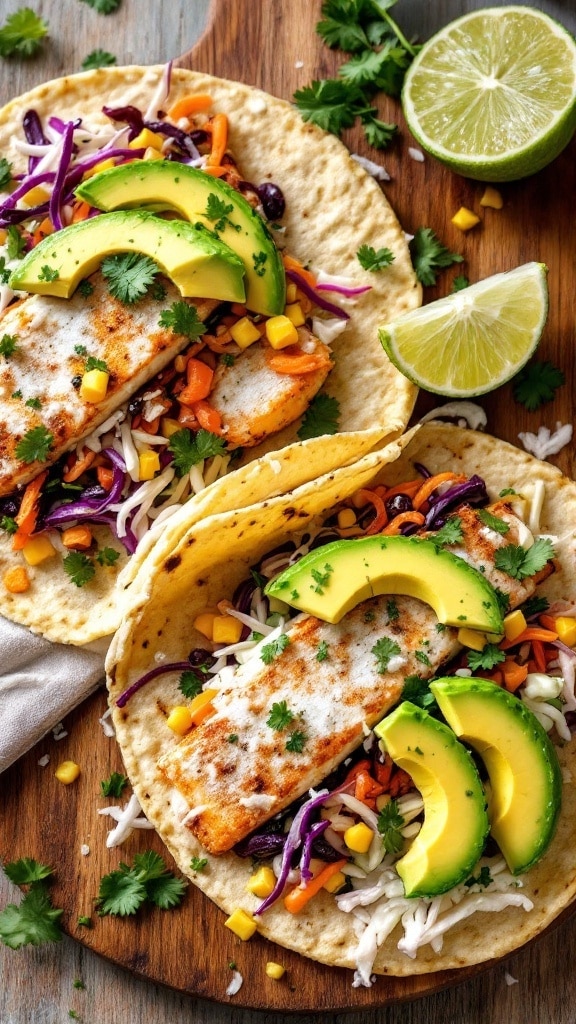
(208,417)
(513,674)
(79,538)
(16,580)
(199,379)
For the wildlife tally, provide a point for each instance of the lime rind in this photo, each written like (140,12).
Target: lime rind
(472,341)
(493,95)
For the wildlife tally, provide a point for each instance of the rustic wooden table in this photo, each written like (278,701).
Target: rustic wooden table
(64,981)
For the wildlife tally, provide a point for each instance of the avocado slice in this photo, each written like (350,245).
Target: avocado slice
(199,264)
(332,579)
(455,827)
(525,776)
(200,198)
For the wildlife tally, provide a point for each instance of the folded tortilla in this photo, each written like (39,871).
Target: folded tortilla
(205,565)
(332,208)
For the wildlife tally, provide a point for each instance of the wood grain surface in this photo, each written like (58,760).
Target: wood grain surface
(270,44)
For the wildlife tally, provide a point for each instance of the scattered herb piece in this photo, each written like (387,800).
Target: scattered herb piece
(189,684)
(297,741)
(392,610)
(26,871)
(258,260)
(33,403)
(198,863)
(228,359)
(81,350)
(233,737)
(536,383)
(321,417)
(390,823)
(48,273)
(322,652)
(8,524)
(22,33)
(429,256)
(274,649)
(460,282)
(107,556)
(8,345)
(79,567)
(35,919)
(4,271)
(369,615)
(535,605)
(103,6)
(98,59)
(189,449)
(183,319)
(5,172)
(92,363)
(450,533)
(129,275)
(493,522)
(506,491)
(487,658)
(15,243)
(374,259)
(84,921)
(422,657)
(385,649)
(280,716)
(217,210)
(417,691)
(35,444)
(520,562)
(256,637)
(85,288)
(113,785)
(124,891)
(483,879)
(321,579)
(78,983)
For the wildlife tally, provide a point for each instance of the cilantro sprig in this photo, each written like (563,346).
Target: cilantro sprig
(321,417)
(537,383)
(486,659)
(390,824)
(98,59)
(35,445)
(189,449)
(374,259)
(429,255)
(22,33)
(183,319)
(280,716)
(114,785)
(35,919)
(384,650)
(129,275)
(5,172)
(519,562)
(79,567)
(274,649)
(147,880)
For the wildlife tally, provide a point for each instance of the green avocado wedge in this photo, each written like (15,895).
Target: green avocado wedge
(199,198)
(333,579)
(452,837)
(199,264)
(523,768)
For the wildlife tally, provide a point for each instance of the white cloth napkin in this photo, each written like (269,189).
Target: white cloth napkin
(40,682)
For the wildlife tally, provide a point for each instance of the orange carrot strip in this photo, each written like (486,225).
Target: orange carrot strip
(45,228)
(204,712)
(292,360)
(538,655)
(405,517)
(430,485)
(28,512)
(363,496)
(548,622)
(199,378)
(81,211)
(513,674)
(530,633)
(79,466)
(362,766)
(296,900)
(105,475)
(77,537)
(366,787)
(216,172)
(194,104)
(383,772)
(219,140)
(208,417)
(291,263)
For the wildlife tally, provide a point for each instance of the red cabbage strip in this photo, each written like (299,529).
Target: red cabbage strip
(174,666)
(471,491)
(313,295)
(294,838)
(34,134)
(563,647)
(311,837)
(63,164)
(29,182)
(344,290)
(87,507)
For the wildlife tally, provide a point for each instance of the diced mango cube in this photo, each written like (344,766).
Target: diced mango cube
(566,629)
(281,332)
(274,970)
(492,197)
(204,623)
(148,464)
(94,386)
(294,313)
(38,549)
(226,629)
(465,219)
(152,154)
(16,580)
(335,882)
(168,426)
(104,165)
(180,720)
(472,638)
(36,195)
(514,624)
(291,291)
(241,923)
(262,882)
(146,138)
(358,837)
(67,772)
(244,332)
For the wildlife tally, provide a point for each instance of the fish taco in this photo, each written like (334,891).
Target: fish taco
(348,710)
(180,297)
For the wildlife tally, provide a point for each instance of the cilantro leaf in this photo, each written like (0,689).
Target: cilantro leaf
(487,658)
(98,59)
(450,533)
(330,103)
(189,449)
(537,383)
(165,891)
(8,345)
(9,524)
(417,691)
(123,892)
(120,893)
(460,282)
(321,579)
(378,133)
(280,716)
(340,27)
(26,871)
(113,785)
(493,522)
(183,319)
(198,863)
(129,275)
(520,562)
(385,649)
(483,879)
(382,69)
(79,567)
(103,6)
(92,363)
(22,33)
(16,243)
(218,210)
(321,417)
(429,255)
(34,921)
(189,684)
(390,823)
(535,605)
(322,652)
(48,273)
(272,650)
(107,556)
(5,172)
(35,445)
(296,742)
(374,259)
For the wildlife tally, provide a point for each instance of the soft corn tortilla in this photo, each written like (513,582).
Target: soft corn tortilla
(327,198)
(204,566)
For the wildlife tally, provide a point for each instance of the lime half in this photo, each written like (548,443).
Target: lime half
(493,95)
(473,340)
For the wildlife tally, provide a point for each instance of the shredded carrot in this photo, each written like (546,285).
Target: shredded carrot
(513,674)
(430,485)
(28,512)
(548,622)
(297,899)
(45,228)
(290,263)
(405,517)
(216,172)
(367,789)
(208,417)
(379,522)
(219,129)
(538,655)
(409,487)
(292,360)
(79,467)
(105,475)
(193,104)
(81,211)
(150,426)
(199,378)
(362,766)
(530,633)
(238,309)
(77,537)
(383,772)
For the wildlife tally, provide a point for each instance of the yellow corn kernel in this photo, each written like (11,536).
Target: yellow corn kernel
(16,580)
(148,464)
(94,386)
(168,426)
(204,623)
(241,923)
(492,197)
(358,837)
(38,549)
(291,291)
(67,772)
(281,332)
(36,195)
(244,332)
(294,313)
(145,139)
(274,970)
(465,219)
(180,720)
(514,624)
(262,882)
(335,882)
(346,518)
(566,629)
(226,629)
(472,638)
(200,701)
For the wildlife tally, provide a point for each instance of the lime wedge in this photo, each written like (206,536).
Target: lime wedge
(474,340)
(493,95)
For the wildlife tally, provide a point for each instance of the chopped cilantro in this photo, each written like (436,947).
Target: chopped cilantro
(429,256)
(256,637)
(506,491)
(85,288)
(129,275)
(103,6)
(8,524)
(48,273)
(392,610)
(183,319)
(33,403)
(374,259)
(321,579)
(520,562)
(35,444)
(493,522)
(35,919)
(5,172)
(198,863)
(78,983)
(422,657)
(295,744)
(417,691)
(321,417)
(369,615)
(258,578)
(81,350)
(385,649)
(4,271)
(259,259)
(8,345)
(275,648)
(218,210)
(483,879)
(22,33)
(450,533)
(79,568)
(460,282)
(189,449)
(228,359)
(487,658)
(17,394)
(280,716)
(390,824)
(502,599)
(98,59)
(107,556)
(84,921)
(535,605)
(189,684)
(16,243)
(124,891)
(536,383)
(233,737)
(92,363)
(113,785)
(322,652)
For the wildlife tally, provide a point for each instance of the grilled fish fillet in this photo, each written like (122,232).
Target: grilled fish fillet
(255,401)
(126,337)
(234,787)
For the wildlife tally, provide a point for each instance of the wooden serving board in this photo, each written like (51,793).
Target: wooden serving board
(273,45)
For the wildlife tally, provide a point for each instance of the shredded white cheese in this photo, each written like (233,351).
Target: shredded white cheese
(547,442)
(258,801)
(105,722)
(235,984)
(466,414)
(127,818)
(509,979)
(84,849)
(416,154)
(59,731)
(44,760)
(371,167)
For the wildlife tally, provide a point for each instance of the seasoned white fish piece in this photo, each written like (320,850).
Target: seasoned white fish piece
(36,388)
(234,787)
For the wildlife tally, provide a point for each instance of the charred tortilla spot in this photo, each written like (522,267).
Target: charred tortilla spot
(172,563)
